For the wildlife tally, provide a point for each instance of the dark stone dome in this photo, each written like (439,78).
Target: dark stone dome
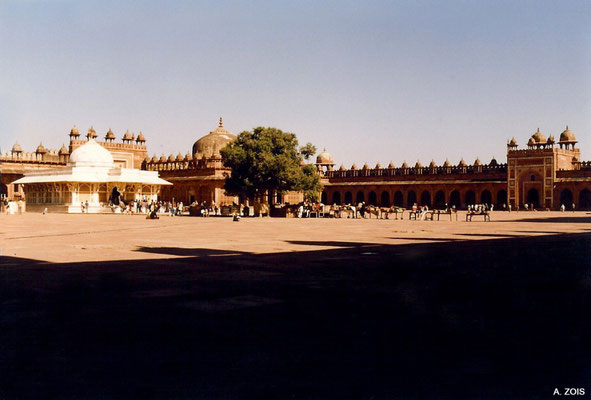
(211,144)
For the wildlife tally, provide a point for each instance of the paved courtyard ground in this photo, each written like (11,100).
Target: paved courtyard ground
(116,306)
(92,237)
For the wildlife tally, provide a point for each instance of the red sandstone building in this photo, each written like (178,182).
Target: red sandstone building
(546,174)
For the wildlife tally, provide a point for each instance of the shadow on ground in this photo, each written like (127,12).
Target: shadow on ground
(556,220)
(496,318)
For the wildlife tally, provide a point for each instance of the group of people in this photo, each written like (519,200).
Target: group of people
(142,206)
(12,207)
(307,208)
(479,208)
(563,207)
(419,211)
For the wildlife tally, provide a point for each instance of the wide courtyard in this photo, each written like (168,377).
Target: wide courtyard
(64,238)
(117,306)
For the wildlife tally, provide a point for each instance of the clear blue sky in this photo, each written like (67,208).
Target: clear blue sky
(369,80)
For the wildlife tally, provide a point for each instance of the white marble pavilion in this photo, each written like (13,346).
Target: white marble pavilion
(89,176)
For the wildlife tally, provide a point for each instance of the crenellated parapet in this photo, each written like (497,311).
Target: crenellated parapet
(181,163)
(128,153)
(411,172)
(40,156)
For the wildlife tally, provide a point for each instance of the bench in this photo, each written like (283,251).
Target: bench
(484,214)
(385,213)
(429,215)
(448,212)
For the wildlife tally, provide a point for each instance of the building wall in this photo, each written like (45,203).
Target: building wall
(556,174)
(12,167)
(432,186)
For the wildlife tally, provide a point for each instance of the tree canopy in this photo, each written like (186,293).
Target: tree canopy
(308,151)
(267,160)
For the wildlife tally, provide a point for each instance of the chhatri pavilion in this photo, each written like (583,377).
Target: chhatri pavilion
(89,176)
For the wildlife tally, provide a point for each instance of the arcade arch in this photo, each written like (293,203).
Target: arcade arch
(411,198)
(566,198)
(348,198)
(470,198)
(501,197)
(454,199)
(360,197)
(398,199)
(372,198)
(585,199)
(336,198)
(426,198)
(385,199)
(439,199)
(486,197)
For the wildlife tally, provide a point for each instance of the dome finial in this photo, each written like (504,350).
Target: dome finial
(221,123)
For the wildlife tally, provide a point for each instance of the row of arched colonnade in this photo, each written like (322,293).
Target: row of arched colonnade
(439,197)
(406,197)
(581,198)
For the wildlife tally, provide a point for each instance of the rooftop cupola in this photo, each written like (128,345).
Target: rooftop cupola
(567,139)
(74,134)
(127,137)
(91,133)
(17,150)
(40,149)
(539,138)
(140,138)
(110,136)
(512,144)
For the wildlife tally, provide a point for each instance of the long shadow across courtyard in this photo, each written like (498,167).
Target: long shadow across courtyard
(494,318)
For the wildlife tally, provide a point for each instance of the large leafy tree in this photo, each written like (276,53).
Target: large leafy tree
(267,161)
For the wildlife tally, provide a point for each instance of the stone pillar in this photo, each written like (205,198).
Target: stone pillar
(94,198)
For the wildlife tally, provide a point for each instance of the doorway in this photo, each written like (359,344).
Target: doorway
(533,197)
